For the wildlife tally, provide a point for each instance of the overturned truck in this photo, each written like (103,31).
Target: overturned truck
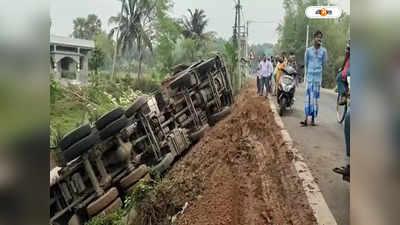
(98,164)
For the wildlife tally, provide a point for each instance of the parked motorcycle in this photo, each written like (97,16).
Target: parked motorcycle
(286,89)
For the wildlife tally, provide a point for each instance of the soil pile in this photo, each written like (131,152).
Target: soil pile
(239,173)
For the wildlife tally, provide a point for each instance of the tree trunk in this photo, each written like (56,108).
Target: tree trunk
(129,67)
(140,60)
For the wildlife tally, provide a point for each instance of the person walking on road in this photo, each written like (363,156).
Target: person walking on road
(315,61)
(265,75)
(258,75)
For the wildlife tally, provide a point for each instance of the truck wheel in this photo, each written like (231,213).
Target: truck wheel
(135,106)
(74,136)
(80,147)
(134,176)
(109,118)
(164,164)
(113,128)
(102,202)
(195,136)
(214,118)
(115,205)
(75,220)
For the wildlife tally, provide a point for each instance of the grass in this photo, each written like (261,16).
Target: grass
(73,106)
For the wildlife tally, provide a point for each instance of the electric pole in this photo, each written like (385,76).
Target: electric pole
(237,41)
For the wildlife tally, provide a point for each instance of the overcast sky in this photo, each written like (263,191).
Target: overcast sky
(221,15)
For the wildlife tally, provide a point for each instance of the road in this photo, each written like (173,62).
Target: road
(323,148)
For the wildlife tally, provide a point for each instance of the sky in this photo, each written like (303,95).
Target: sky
(220,13)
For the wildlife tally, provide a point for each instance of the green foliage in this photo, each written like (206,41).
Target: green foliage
(293,36)
(140,192)
(135,27)
(106,46)
(146,85)
(195,24)
(96,59)
(73,106)
(230,53)
(115,218)
(262,49)
(168,31)
(55,90)
(86,28)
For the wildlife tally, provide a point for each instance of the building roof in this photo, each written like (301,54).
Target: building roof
(74,42)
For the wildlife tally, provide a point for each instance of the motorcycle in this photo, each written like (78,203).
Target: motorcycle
(341,108)
(286,89)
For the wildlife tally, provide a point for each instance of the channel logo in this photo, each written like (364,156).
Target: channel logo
(323,12)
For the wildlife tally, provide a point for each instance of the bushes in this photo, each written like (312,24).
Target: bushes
(73,105)
(146,85)
(115,218)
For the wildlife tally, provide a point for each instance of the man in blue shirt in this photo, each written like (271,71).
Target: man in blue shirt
(315,61)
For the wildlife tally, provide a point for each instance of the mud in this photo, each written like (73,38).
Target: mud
(240,172)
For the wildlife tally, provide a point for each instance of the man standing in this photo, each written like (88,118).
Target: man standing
(265,73)
(315,60)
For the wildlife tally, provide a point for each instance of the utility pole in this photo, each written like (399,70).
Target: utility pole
(237,41)
(238,7)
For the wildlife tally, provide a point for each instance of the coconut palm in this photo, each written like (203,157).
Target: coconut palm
(194,25)
(134,25)
(86,28)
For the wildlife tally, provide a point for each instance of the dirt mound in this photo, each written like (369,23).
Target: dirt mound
(240,172)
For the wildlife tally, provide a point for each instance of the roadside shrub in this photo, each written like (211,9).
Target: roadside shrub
(146,85)
(115,218)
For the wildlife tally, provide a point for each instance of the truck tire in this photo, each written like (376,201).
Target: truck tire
(134,176)
(115,205)
(74,136)
(113,128)
(109,118)
(102,202)
(195,136)
(164,164)
(214,118)
(135,106)
(80,147)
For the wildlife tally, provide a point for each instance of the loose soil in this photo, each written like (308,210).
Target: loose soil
(239,173)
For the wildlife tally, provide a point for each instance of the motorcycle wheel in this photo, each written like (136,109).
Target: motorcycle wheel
(282,106)
(341,110)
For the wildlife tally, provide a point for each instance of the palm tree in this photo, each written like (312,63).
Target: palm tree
(134,25)
(79,28)
(194,25)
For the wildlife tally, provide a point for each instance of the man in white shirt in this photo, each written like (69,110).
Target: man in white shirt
(266,69)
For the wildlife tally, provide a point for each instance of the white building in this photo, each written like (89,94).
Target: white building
(69,58)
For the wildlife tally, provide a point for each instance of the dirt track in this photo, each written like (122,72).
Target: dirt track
(240,172)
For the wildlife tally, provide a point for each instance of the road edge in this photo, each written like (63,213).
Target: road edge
(321,211)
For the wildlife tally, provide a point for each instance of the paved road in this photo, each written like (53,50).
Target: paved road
(323,148)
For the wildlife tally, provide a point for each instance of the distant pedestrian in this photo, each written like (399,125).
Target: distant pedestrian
(258,75)
(265,75)
(315,61)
